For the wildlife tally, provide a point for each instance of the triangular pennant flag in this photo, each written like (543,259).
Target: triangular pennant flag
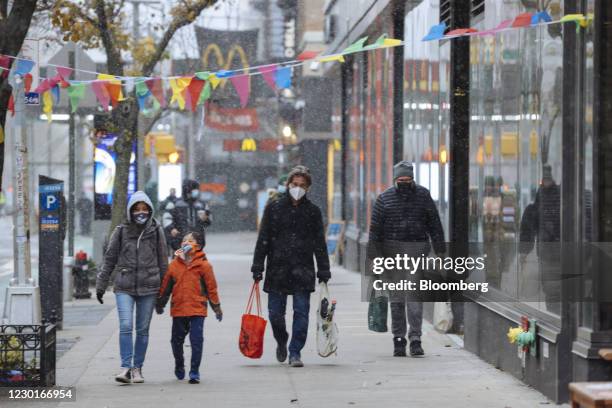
(76,92)
(114,92)
(142,93)
(331,58)
(268,74)
(157,89)
(214,81)
(178,86)
(461,31)
(48,105)
(383,42)
(356,46)
(242,85)
(224,74)
(23,67)
(205,93)
(99,89)
(501,26)
(436,32)
(27,82)
(307,55)
(43,87)
(522,20)
(203,75)
(151,111)
(56,94)
(580,20)
(11,105)
(64,72)
(283,77)
(541,17)
(193,90)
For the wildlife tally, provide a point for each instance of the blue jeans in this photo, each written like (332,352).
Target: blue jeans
(277,305)
(144,311)
(194,325)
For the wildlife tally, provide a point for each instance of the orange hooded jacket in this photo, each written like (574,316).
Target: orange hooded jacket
(192,285)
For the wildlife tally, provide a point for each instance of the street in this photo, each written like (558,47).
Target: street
(362,374)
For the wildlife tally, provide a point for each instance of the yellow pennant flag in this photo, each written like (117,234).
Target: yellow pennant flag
(48,105)
(113,80)
(331,58)
(178,86)
(214,81)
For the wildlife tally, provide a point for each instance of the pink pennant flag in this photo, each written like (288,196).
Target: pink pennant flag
(64,72)
(242,84)
(268,74)
(44,86)
(501,26)
(99,88)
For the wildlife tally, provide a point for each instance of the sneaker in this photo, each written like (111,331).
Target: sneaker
(415,348)
(179,372)
(399,347)
(295,362)
(194,377)
(281,352)
(137,376)
(125,376)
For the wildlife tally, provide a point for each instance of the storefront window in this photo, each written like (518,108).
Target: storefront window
(515,155)
(426,105)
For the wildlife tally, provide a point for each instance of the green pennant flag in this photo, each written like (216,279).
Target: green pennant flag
(356,46)
(202,75)
(76,92)
(141,88)
(205,93)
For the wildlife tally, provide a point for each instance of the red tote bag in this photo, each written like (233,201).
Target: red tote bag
(253,327)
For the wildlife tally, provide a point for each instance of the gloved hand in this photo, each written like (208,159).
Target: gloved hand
(159,309)
(257,276)
(100,295)
(324,276)
(219,316)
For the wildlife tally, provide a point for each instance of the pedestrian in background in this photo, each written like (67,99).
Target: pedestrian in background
(85,208)
(406,214)
(291,233)
(191,282)
(136,255)
(188,213)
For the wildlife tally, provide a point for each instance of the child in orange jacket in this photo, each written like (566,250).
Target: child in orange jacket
(191,282)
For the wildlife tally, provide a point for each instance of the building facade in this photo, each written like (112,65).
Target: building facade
(509,132)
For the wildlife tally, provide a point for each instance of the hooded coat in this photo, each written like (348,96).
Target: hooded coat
(136,255)
(289,237)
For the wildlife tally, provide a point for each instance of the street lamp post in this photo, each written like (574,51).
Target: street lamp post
(22,301)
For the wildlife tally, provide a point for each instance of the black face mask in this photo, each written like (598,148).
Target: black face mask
(405,187)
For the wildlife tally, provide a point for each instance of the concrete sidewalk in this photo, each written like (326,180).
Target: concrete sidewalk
(362,374)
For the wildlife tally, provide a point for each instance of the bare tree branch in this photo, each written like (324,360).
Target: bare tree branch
(114,62)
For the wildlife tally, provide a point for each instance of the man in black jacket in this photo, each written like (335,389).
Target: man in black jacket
(405,216)
(188,213)
(291,233)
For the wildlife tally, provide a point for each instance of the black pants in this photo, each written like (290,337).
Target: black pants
(194,325)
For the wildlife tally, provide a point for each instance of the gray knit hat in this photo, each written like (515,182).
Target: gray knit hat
(402,169)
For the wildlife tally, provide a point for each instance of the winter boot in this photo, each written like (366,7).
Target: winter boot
(415,348)
(281,352)
(295,361)
(125,376)
(399,347)
(179,372)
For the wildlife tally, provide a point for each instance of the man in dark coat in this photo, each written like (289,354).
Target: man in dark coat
(188,213)
(405,216)
(85,207)
(172,198)
(291,233)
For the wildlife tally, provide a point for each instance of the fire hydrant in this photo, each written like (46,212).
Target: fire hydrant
(80,272)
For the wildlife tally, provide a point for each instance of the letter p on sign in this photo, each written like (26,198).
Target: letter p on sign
(49,202)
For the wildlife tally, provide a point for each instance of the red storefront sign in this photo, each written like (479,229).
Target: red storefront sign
(231,119)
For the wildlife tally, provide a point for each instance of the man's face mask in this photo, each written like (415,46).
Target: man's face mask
(140,217)
(297,192)
(404,186)
(195,194)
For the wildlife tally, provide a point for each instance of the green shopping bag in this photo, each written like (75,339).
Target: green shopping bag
(377,313)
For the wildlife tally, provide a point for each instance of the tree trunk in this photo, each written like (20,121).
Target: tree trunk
(126,118)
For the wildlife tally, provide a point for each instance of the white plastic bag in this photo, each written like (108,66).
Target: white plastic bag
(327,330)
(442,316)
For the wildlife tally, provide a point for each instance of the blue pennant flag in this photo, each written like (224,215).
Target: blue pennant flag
(541,17)
(436,32)
(142,98)
(283,77)
(23,67)
(55,91)
(224,74)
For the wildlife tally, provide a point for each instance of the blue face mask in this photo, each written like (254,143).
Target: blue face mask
(195,194)
(186,248)
(282,188)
